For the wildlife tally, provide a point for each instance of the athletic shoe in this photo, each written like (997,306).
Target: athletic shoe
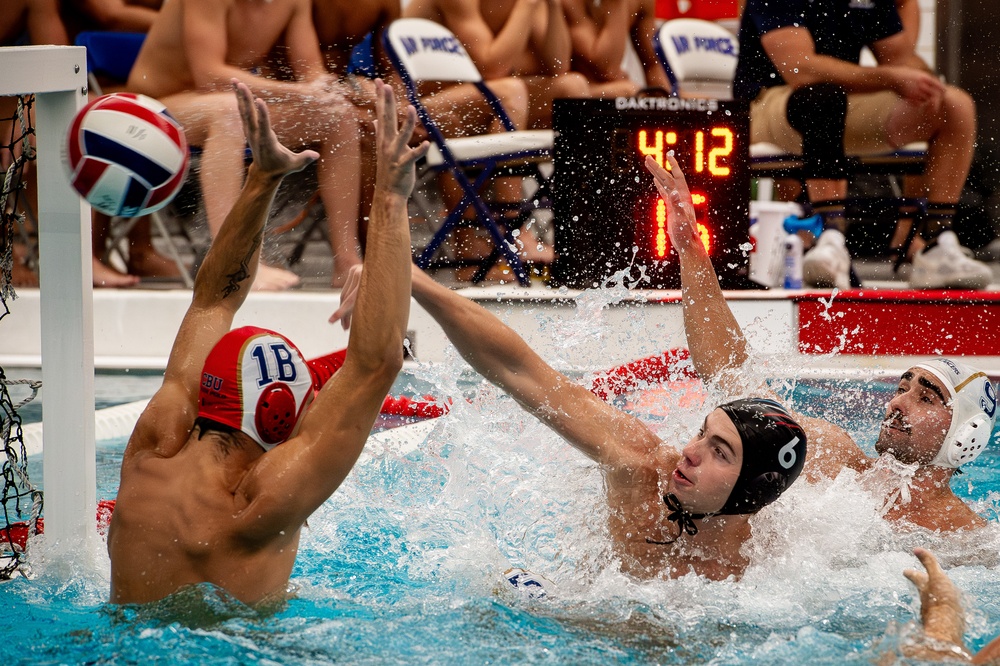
(828,264)
(948,266)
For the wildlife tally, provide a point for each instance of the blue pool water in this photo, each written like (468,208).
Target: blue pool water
(405,563)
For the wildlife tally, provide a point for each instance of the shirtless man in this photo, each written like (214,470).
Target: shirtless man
(196,46)
(237,448)
(342,24)
(941,416)
(600,31)
(528,39)
(672,512)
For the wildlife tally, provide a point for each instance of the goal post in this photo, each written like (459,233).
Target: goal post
(57,76)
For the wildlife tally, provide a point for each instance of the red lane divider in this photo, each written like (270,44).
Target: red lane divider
(427,407)
(17,534)
(669,365)
(672,364)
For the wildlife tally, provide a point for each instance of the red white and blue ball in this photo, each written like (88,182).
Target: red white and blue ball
(126,155)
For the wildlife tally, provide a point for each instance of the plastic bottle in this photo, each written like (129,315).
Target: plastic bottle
(793,261)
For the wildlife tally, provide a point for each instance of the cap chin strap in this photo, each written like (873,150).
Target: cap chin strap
(683,518)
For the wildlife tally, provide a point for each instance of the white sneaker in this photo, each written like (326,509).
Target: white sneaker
(948,266)
(828,264)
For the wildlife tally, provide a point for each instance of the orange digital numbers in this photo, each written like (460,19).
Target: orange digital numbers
(720,151)
(660,234)
(661,240)
(656,150)
(720,148)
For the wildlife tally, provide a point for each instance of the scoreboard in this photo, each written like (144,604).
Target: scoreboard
(608,215)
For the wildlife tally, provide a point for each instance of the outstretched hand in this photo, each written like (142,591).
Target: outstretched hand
(940,606)
(673,189)
(396,171)
(348,298)
(270,157)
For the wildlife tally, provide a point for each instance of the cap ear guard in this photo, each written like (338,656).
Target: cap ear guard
(973,403)
(276,414)
(966,443)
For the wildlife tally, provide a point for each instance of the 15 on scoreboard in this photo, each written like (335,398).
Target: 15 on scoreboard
(608,215)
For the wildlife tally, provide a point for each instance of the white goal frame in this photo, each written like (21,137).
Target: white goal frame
(57,75)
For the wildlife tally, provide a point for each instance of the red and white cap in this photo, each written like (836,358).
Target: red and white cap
(257,381)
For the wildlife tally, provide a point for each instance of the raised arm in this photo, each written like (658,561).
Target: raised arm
(716,341)
(293,479)
(602,432)
(222,283)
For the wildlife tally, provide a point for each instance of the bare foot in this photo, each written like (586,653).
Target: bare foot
(151,263)
(106,276)
(272,278)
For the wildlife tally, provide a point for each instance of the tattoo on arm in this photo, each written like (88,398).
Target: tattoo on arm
(242,273)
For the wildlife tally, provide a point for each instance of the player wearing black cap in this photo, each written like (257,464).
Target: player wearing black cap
(940,418)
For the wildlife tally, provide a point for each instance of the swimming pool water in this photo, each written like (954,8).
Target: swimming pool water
(405,565)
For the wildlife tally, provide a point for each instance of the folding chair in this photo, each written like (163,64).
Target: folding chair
(424,51)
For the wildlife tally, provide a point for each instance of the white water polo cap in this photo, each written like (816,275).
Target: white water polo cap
(973,401)
(256,381)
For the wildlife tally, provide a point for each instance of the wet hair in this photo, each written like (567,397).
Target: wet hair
(228,439)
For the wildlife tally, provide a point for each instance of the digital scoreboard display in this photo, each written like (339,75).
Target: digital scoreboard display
(608,215)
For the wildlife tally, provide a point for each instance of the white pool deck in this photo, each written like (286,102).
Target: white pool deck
(134,328)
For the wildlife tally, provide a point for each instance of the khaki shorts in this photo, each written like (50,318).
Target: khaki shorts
(865,128)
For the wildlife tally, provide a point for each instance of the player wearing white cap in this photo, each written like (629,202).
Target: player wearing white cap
(940,418)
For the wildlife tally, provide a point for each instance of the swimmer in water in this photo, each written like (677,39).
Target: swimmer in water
(239,445)
(940,418)
(671,511)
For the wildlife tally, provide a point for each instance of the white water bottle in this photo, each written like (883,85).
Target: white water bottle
(793,261)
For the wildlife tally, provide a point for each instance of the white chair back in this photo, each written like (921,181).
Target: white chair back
(699,56)
(427,51)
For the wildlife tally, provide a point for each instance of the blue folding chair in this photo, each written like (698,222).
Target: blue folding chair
(425,51)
